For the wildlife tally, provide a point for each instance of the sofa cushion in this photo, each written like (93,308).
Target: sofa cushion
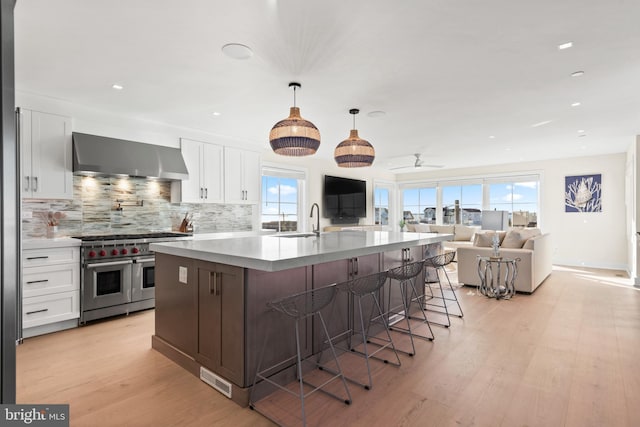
(411,227)
(516,238)
(484,239)
(444,229)
(464,232)
(422,228)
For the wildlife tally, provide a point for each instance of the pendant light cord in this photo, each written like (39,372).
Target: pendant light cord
(294,96)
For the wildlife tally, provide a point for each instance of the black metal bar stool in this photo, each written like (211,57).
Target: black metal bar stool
(361,288)
(405,275)
(439,303)
(299,307)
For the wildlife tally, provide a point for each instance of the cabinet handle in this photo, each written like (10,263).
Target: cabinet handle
(35,183)
(216,288)
(37,281)
(26,181)
(38,311)
(217,276)
(38,257)
(206,193)
(355,263)
(201,193)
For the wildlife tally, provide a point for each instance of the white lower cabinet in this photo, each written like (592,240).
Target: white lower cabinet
(50,289)
(46,309)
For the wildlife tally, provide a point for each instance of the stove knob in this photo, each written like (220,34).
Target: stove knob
(135,250)
(103,253)
(114,252)
(92,254)
(124,251)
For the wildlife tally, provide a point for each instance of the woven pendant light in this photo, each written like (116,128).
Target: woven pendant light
(294,136)
(354,152)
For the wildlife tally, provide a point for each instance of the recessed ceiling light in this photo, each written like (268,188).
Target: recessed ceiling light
(376,114)
(237,51)
(564,46)
(581,131)
(492,137)
(215,113)
(116,86)
(577,73)
(576,104)
(546,122)
(508,149)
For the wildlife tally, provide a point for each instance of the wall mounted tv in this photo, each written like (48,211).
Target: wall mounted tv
(344,199)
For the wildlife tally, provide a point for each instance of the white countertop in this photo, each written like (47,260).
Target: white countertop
(59,242)
(273,253)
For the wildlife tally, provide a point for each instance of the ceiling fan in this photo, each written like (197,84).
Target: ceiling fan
(417,164)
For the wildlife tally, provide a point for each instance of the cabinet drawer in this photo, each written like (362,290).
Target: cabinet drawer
(50,279)
(38,257)
(52,308)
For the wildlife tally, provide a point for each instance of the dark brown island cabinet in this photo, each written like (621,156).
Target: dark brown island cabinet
(215,316)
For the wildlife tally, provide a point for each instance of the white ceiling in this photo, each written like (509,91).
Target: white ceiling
(448,73)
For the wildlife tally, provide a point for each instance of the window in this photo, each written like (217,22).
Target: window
(462,200)
(381,206)
(519,198)
(281,198)
(419,205)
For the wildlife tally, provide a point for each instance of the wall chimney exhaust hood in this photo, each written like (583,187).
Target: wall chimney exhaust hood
(100,155)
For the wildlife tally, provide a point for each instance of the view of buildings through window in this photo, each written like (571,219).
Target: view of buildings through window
(381,206)
(519,198)
(279,203)
(419,205)
(469,204)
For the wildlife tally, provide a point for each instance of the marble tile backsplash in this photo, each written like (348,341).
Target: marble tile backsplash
(128,205)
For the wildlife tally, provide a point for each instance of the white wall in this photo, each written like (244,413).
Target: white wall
(633,213)
(579,239)
(316,168)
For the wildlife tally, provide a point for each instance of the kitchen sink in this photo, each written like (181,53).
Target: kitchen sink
(294,235)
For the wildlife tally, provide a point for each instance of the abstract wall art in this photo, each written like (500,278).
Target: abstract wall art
(583,193)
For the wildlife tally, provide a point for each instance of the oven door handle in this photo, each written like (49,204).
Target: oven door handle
(108,264)
(141,260)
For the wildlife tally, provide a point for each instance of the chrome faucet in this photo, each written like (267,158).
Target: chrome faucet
(317,227)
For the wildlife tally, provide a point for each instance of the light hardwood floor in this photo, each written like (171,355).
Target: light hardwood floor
(565,356)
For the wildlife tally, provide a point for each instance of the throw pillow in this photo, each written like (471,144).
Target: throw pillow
(484,239)
(422,228)
(445,229)
(464,232)
(514,239)
(529,243)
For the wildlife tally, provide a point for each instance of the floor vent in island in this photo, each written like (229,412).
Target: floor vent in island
(219,383)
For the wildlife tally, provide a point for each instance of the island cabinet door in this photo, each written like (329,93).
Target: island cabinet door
(176,302)
(221,320)
(342,316)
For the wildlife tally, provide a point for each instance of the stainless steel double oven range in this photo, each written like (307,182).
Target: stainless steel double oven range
(117,274)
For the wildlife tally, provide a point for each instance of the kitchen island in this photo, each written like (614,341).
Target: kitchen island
(211,295)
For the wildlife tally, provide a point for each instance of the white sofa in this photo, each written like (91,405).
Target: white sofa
(463,235)
(535,258)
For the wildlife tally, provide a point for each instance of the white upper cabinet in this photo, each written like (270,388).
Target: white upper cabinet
(241,176)
(46,158)
(204,162)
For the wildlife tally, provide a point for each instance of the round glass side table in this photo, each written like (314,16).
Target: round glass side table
(497,276)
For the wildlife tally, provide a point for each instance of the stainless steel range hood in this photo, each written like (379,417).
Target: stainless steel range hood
(101,155)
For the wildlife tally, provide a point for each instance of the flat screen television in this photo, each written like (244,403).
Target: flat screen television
(344,199)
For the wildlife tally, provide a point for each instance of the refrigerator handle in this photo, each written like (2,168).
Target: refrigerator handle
(19,337)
